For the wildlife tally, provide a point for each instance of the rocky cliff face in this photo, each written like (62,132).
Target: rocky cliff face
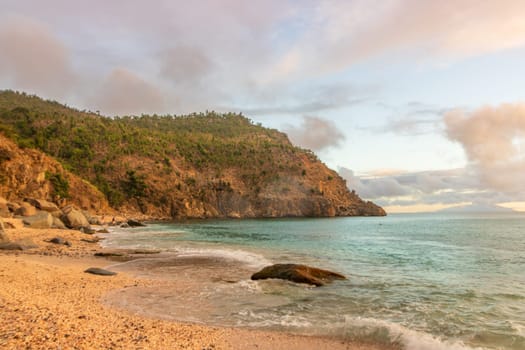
(196,166)
(27,173)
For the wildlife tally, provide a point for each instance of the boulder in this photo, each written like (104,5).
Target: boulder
(4,209)
(74,218)
(135,223)
(40,220)
(298,273)
(99,271)
(57,223)
(23,245)
(59,240)
(43,205)
(25,209)
(13,206)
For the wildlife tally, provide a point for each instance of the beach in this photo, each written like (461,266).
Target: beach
(48,302)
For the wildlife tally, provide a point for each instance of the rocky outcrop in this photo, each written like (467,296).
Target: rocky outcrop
(28,174)
(297,273)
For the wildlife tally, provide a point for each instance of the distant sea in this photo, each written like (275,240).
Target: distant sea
(419,281)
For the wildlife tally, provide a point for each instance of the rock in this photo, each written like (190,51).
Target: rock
(125,225)
(74,218)
(3,234)
(43,205)
(13,206)
(11,246)
(25,245)
(94,240)
(59,240)
(26,209)
(135,223)
(297,273)
(99,271)
(57,223)
(87,230)
(41,220)
(103,231)
(4,209)
(109,254)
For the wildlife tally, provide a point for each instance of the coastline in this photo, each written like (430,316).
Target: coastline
(47,301)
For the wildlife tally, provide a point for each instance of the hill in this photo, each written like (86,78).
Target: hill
(199,165)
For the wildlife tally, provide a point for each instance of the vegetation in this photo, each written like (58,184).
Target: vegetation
(60,185)
(109,151)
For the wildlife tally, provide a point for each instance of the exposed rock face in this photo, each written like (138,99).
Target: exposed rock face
(297,273)
(40,220)
(23,175)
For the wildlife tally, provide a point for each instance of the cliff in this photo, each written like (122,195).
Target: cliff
(28,173)
(196,166)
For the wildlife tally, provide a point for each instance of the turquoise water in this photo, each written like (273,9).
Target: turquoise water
(434,281)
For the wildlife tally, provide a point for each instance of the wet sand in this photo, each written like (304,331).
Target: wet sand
(48,302)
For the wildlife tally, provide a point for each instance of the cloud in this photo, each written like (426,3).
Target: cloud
(33,59)
(494,141)
(124,93)
(437,189)
(343,33)
(315,133)
(185,65)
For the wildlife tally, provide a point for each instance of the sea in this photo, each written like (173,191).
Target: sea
(414,281)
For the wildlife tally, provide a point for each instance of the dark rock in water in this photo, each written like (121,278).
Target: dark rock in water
(99,271)
(135,223)
(125,225)
(298,273)
(103,231)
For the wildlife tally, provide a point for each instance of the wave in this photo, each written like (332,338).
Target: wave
(385,332)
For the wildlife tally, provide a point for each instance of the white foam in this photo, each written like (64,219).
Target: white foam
(268,320)
(251,259)
(411,339)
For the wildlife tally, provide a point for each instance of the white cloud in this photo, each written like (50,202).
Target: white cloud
(492,138)
(315,133)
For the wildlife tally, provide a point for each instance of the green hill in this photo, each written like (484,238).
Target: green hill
(198,165)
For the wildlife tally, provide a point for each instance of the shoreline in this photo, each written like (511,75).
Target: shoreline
(47,301)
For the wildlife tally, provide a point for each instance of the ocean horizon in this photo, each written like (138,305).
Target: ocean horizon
(415,281)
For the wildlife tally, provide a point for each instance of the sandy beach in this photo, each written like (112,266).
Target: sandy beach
(48,302)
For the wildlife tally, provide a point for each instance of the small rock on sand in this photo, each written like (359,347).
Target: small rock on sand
(99,271)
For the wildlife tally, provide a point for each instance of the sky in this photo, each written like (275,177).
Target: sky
(418,104)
